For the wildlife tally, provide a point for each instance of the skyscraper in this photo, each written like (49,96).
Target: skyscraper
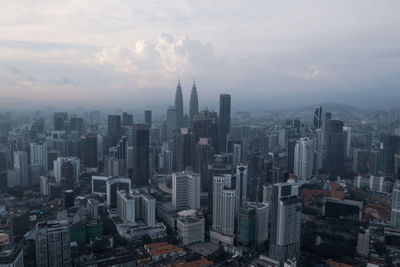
(60,121)
(388,147)
(179,105)
(395,217)
(147,117)
(171,122)
(285,222)
(141,160)
(224,120)
(241,185)
(53,246)
(347,141)
(318,118)
(334,160)
(39,155)
(21,165)
(127,119)
(184,146)
(186,190)
(91,151)
(194,103)
(114,128)
(304,158)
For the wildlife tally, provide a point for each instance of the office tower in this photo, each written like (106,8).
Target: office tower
(114,167)
(360,161)
(13,178)
(75,163)
(347,141)
(113,185)
(67,175)
(52,155)
(91,151)
(141,150)
(241,185)
(69,199)
(291,154)
(237,154)
(328,116)
(60,121)
(147,117)
(203,158)
(319,150)
(171,122)
(179,105)
(39,155)
(127,119)
(304,158)
(247,227)
(186,190)
(76,124)
(297,126)
(190,226)
(21,165)
(194,104)
(285,220)
(205,125)
(126,206)
(184,145)
(318,118)
(53,244)
(283,138)
(93,208)
(224,120)
(334,160)
(114,128)
(395,214)
(389,146)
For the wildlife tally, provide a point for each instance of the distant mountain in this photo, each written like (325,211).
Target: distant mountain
(338,108)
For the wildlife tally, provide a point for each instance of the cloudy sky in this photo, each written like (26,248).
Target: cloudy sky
(267,54)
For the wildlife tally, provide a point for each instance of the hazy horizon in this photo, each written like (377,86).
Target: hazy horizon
(267,55)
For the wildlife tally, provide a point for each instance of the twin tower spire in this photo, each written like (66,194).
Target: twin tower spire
(193,108)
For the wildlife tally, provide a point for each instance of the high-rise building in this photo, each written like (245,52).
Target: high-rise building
(304,158)
(184,146)
(39,155)
(237,154)
(204,125)
(186,190)
(395,215)
(388,147)
(114,128)
(141,161)
(60,121)
(203,158)
(318,118)
(179,105)
(21,165)
(328,116)
(75,163)
(13,178)
(360,161)
(285,220)
(194,104)
(224,119)
(347,141)
(127,119)
(53,246)
(335,142)
(91,151)
(241,185)
(171,122)
(190,226)
(147,117)
(76,124)
(247,227)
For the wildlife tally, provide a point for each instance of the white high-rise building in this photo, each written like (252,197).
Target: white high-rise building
(186,190)
(304,158)
(285,222)
(347,140)
(76,163)
(21,165)
(228,212)
(262,220)
(39,155)
(126,206)
(395,214)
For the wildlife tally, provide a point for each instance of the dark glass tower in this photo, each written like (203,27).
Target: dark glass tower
(224,119)
(91,151)
(127,119)
(147,117)
(140,141)
(179,105)
(389,146)
(334,160)
(318,118)
(114,128)
(194,103)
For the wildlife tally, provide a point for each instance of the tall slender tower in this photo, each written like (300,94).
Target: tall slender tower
(224,120)
(194,103)
(318,118)
(179,105)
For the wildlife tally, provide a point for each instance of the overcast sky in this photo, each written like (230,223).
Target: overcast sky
(267,54)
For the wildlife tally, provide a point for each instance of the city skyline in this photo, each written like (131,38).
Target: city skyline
(319,52)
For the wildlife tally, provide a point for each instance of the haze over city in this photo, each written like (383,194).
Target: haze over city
(268,55)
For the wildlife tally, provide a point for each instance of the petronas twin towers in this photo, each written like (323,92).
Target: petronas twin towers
(193,108)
